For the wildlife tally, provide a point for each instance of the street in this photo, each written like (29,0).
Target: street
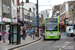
(65,43)
(28,24)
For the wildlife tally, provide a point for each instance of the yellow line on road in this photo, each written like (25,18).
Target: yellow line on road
(28,45)
(59,48)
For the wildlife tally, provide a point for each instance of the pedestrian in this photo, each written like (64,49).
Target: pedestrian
(0,36)
(36,30)
(4,35)
(28,31)
(31,32)
(21,34)
(64,29)
(24,33)
(9,36)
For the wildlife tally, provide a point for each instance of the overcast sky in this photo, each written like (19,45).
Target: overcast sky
(46,2)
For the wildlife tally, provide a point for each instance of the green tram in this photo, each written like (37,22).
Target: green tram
(51,28)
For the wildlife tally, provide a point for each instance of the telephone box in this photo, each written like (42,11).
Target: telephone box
(15,33)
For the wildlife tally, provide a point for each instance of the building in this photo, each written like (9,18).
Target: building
(72,11)
(1,23)
(56,11)
(64,12)
(5,13)
(8,11)
(27,17)
(18,13)
(67,12)
(14,11)
(40,19)
(45,13)
(29,13)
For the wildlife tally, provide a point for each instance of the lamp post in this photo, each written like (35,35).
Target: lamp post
(22,12)
(72,17)
(37,19)
(29,15)
(33,29)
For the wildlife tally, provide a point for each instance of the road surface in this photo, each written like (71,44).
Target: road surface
(65,43)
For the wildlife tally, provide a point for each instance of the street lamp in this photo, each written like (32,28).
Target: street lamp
(29,15)
(72,17)
(37,18)
(22,12)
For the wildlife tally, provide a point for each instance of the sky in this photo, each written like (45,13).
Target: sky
(46,2)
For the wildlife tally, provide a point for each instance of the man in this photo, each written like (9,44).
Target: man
(24,33)
(9,37)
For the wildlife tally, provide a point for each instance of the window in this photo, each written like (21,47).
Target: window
(74,6)
(6,9)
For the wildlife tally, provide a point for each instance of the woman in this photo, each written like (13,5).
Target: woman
(4,35)
(0,36)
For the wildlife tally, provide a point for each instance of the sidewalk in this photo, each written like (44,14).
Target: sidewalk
(6,46)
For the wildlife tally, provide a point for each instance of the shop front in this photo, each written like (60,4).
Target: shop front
(1,24)
(6,23)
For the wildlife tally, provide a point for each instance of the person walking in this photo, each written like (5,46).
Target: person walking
(4,35)
(21,34)
(31,32)
(28,31)
(24,33)
(0,36)
(64,29)
(9,36)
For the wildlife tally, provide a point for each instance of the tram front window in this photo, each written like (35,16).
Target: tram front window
(51,24)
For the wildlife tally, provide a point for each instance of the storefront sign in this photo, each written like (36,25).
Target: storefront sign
(14,20)
(62,22)
(6,19)
(63,18)
(0,19)
(70,22)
